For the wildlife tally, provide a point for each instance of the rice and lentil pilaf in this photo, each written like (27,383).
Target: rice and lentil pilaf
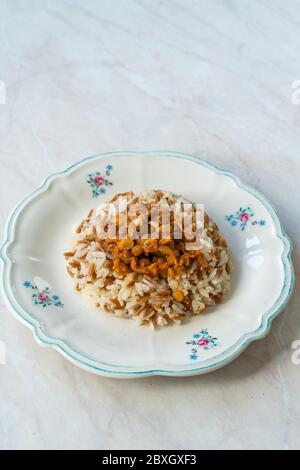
(155,280)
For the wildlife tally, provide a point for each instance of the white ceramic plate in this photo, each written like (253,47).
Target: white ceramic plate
(38,291)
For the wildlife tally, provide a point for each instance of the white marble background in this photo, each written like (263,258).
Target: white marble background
(208,77)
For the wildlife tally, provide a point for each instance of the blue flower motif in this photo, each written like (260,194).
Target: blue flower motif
(242,217)
(98,182)
(201,341)
(42,297)
(193,357)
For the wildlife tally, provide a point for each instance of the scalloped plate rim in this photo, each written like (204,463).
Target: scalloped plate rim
(70,354)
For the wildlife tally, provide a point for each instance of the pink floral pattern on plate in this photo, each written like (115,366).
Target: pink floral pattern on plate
(242,217)
(43,297)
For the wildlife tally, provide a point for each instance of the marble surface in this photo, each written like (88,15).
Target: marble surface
(212,78)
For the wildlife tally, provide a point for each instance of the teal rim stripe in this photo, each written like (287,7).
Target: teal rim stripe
(70,353)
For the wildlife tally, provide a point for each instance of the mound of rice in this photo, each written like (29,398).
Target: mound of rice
(154,280)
